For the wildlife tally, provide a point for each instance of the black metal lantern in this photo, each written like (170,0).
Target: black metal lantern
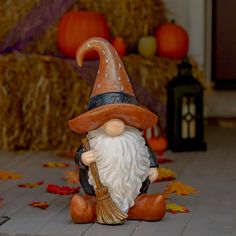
(185,128)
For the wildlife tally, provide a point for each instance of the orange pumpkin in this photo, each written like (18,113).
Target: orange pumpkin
(158,144)
(77,26)
(119,44)
(172,41)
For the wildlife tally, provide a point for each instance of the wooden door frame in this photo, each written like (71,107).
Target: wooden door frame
(210,52)
(208,43)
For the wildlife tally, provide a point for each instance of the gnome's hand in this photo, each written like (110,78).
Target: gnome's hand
(153,174)
(89,157)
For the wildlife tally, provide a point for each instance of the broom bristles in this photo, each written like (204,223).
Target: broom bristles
(107,211)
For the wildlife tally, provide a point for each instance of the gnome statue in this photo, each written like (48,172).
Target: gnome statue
(123,160)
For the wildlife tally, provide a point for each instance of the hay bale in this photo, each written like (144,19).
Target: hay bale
(11,12)
(38,95)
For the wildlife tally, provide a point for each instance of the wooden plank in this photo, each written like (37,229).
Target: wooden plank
(114,230)
(33,174)
(19,210)
(212,219)
(62,225)
(17,206)
(4,154)
(218,198)
(8,160)
(31,163)
(24,216)
(18,198)
(170,225)
(26,162)
(57,203)
(233,233)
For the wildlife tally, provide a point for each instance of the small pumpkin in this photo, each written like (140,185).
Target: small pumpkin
(147,46)
(172,41)
(155,139)
(158,144)
(77,26)
(119,44)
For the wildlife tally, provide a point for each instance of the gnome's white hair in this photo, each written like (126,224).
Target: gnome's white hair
(122,163)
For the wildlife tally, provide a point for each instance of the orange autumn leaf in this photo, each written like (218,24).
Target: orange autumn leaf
(5,175)
(41,205)
(165,174)
(179,188)
(62,190)
(55,165)
(31,185)
(174,208)
(72,176)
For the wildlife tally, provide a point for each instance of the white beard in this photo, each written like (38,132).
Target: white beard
(122,162)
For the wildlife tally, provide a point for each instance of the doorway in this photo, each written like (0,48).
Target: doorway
(224,44)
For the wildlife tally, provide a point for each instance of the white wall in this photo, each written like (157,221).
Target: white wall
(191,15)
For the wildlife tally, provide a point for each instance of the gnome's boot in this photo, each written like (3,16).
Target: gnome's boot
(83,209)
(149,207)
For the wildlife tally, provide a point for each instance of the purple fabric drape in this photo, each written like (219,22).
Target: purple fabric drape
(35,23)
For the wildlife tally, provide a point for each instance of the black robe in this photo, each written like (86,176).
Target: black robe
(83,173)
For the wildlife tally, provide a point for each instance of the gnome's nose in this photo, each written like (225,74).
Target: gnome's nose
(114,127)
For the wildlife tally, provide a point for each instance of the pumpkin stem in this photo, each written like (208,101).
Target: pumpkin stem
(173,21)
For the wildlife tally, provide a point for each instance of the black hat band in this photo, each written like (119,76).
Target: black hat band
(111,98)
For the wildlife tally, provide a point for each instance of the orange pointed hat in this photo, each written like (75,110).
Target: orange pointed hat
(112,95)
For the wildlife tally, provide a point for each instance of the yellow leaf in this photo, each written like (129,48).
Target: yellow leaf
(5,175)
(179,188)
(31,185)
(41,205)
(165,174)
(174,208)
(72,176)
(55,164)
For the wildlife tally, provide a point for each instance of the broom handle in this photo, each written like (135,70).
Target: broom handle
(93,165)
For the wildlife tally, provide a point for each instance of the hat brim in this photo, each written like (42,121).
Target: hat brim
(133,115)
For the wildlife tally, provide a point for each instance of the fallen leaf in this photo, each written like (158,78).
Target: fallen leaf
(162,160)
(174,208)
(5,175)
(72,176)
(1,202)
(62,190)
(31,185)
(179,188)
(165,174)
(41,205)
(56,165)
(165,195)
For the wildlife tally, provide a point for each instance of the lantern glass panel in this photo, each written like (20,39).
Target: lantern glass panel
(188,129)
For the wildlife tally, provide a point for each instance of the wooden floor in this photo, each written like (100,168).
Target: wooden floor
(212,210)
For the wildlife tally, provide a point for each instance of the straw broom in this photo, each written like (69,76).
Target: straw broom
(106,209)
